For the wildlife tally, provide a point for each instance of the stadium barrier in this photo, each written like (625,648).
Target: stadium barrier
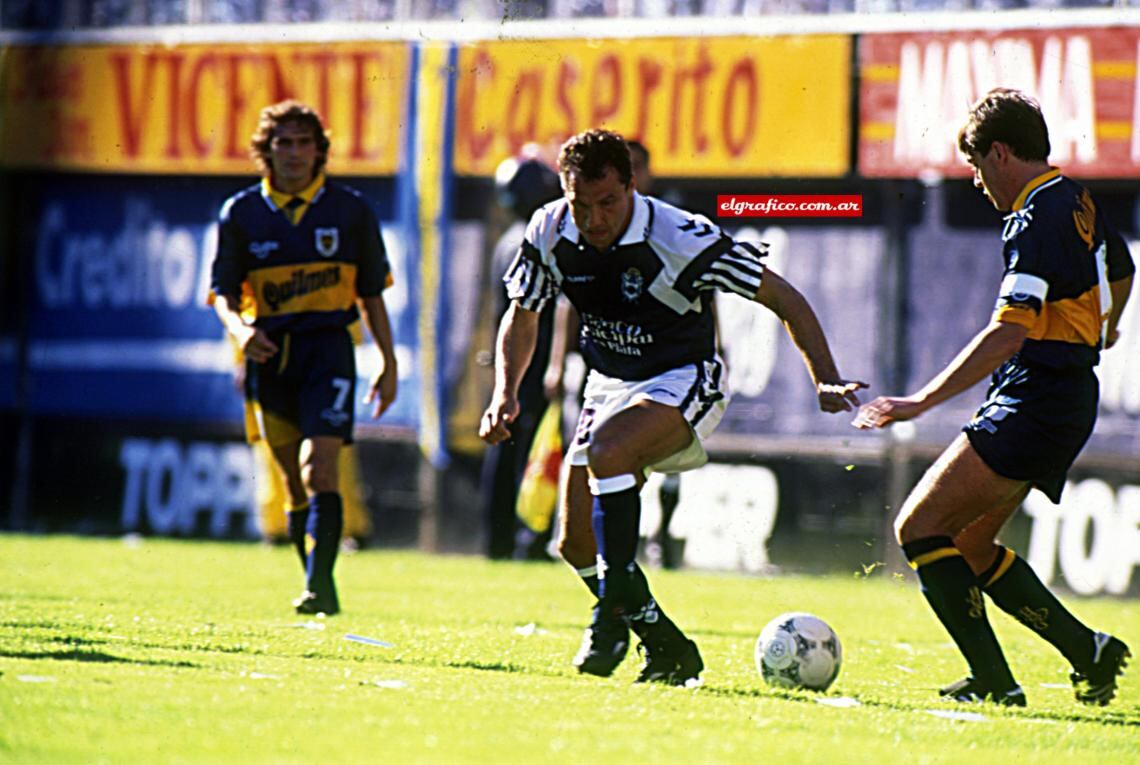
(113,368)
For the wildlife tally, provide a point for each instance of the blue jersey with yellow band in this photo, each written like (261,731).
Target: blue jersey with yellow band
(300,260)
(1060,255)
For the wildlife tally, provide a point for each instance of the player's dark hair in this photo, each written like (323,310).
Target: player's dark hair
(275,115)
(592,152)
(1007,116)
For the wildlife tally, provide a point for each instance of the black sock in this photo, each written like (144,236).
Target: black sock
(298,520)
(953,592)
(326,522)
(589,577)
(650,623)
(617,521)
(1015,588)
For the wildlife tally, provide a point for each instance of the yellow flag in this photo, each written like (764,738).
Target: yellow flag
(538,493)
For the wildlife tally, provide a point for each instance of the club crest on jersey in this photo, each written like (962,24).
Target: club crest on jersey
(632,285)
(328,241)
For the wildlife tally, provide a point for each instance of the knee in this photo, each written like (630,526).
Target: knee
(900,530)
(909,525)
(607,458)
(576,552)
(319,475)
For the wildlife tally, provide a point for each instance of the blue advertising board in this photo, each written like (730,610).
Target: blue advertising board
(118,323)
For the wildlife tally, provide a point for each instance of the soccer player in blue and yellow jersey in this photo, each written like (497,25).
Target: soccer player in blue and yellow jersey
(309,253)
(1067,277)
(641,274)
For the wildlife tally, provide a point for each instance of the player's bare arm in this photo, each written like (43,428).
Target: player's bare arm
(254,343)
(561,340)
(835,394)
(383,387)
(1120,289)
(990,348)
(518,332)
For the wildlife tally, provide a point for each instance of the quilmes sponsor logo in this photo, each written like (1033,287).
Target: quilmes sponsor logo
(298,284)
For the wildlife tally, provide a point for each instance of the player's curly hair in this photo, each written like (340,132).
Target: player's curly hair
(277,114)
(1007,116)
(591,152)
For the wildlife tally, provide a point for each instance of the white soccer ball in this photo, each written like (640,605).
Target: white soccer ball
(798,650)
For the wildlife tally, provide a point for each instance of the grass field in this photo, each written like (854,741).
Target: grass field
(167,651)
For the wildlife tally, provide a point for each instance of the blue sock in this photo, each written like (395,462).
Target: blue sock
(326,522)
(617,522)
(953,592)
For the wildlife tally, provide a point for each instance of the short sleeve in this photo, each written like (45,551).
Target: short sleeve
(229,269)
(726,265)
(373,272)
(1024,285)
(529,280)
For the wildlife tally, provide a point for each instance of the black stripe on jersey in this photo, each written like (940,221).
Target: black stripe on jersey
(649,220)
(529,281)
(739,271)
(688,280)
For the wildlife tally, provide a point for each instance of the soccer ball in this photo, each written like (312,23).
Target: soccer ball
(798,650)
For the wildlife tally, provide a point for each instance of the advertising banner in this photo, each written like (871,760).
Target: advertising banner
(191,108)
(119,327)
(839,271)
(719,107)
(915,90)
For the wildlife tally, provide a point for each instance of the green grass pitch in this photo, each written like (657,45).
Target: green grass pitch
(187,652)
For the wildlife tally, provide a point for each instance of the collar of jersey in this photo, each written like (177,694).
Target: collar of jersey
(280,198)
(1032,187)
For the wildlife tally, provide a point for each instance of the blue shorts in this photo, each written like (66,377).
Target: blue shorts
(307,389)
(1034,422)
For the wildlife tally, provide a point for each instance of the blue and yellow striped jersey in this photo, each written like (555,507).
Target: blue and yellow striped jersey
(1060,254)
(299,261)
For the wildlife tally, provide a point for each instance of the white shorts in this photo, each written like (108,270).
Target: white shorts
(700,391)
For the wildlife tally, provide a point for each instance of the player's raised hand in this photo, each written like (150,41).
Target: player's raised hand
(838,396)
(500,413)
(383,389)
(887,409)
(255,344)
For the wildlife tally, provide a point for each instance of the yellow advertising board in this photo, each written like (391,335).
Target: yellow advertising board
(192,108)
(713,107)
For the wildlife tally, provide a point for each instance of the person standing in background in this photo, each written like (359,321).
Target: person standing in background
(522,187)
(309,252)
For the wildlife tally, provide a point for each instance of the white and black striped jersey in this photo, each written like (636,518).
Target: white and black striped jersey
(644,303)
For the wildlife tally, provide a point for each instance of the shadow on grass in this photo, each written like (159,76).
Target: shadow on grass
(1106,717)
(488,666)
(96,657)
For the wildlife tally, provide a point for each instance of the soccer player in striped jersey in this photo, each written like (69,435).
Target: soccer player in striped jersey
(641,274)
(1067,277)
(309,253)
